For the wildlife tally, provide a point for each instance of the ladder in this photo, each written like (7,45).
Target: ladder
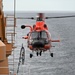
(10,24)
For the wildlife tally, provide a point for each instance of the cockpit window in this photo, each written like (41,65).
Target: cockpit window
(35,35)
(43,34)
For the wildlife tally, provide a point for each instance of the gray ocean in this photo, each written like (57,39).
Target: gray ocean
(63,62)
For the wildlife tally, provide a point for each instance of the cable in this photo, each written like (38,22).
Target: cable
(21,58)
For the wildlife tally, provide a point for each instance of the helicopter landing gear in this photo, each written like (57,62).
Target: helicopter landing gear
(39,53)
(31,55)
(51,54)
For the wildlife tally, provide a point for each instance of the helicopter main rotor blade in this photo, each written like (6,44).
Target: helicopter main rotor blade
(59,17)
(25,18)
(45,17)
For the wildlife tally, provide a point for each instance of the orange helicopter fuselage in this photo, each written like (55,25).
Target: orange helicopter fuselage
(39,27)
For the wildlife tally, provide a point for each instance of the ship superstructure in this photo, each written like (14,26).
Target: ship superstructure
(6,39)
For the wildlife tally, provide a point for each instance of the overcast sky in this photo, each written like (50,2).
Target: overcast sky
(39,5)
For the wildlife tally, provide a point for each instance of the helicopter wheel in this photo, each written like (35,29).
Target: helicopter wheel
(37,53)
(40,53)
(51,54)
(31,55)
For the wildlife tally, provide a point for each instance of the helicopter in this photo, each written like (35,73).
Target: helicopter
(39,38)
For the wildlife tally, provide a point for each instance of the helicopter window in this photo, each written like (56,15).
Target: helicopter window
(34,35)
(41,34)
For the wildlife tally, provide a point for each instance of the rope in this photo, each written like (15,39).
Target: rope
(21,58)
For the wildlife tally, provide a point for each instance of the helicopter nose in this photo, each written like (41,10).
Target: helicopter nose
(38,44)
